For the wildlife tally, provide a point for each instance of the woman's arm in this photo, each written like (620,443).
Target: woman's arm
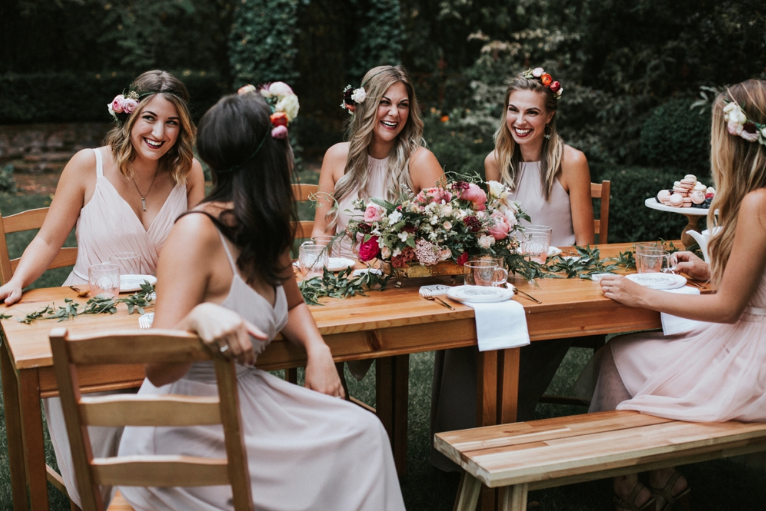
(575,178)
(64,211)
(333,166)
(195,185)
(743,274)
(425,171)
(302,330)
(492,168)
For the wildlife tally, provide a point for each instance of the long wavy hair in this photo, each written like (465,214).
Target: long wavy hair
(738,166)
(507,151)
(257,180)
(178,160)
(359,134)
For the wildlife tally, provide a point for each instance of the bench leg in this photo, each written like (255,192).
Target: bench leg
(467,493)
(514,498)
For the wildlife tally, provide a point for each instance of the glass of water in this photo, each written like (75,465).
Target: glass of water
(104,280)
(535,241)
(312,259)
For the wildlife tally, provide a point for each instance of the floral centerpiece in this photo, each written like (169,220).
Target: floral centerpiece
(448,224)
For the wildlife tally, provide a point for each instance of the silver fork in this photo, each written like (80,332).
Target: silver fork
(145,321)
(426,293)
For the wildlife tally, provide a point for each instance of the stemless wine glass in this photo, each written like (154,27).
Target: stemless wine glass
(487,273)
(312,259)
(535,241)
(656,262)
(104,279)
(129,262)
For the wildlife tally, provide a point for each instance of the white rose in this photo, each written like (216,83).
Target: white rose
(740,116)
(763,132)
(289,105)
(447,210)
(280,89)
(495,189)
(394,217)
(486,241)
(359,95)
(403,236)
(447,225)
(385,252)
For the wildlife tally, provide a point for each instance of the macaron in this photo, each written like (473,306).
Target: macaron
(701,187)
(663,195)
(690,177)
(688,183)
(677,183)
(710,189)
(681,190)
(676,200)
(697,197)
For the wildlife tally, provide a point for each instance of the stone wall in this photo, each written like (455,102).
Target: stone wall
(44,148)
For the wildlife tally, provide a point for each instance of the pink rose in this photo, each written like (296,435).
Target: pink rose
(428,195)
(117,103)
(369,249)
(476,195)
(247,88)
(735,128)
(750,137)
(279,132)
(129,105)
(499,228)
(373,213)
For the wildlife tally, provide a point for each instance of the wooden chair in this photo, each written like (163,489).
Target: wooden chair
(527,456)
(137,347)
(601,226)
(303,193)
(26,221)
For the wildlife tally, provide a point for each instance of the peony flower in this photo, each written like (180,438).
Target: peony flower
(486,241)
(116,104)
(546,79)
(500,227)
(278,119)
(385,252)
(433,196)
(476,195)
(359,95)
(129,105)
(289,105)
(462,259)
(279,132)
(555,86)
(374,213)
(394,217)
(495,189)
(369,249)
(537,72)
(247,88)
(280,89)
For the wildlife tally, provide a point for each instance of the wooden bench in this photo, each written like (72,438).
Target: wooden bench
(525,456)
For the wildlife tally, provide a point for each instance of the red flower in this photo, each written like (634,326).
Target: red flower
(278,119)
(365,228)
(409,228)
(369,249)
(462,259)
(460,186)
(473,223)
(749,127)
(445,118)
(555,86)
(546,79)
(407,255)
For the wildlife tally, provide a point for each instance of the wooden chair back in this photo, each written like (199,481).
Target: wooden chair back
(303,193)
(601,226)
(137,347)
(25,221)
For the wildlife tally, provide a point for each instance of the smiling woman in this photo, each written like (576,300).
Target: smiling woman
(123,197)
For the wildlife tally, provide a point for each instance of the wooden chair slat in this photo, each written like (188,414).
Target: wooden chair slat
(125,347)
(132,410)
(303,192)
(160,471)
(24,221)
(119,503)
(303,229)
(67,256)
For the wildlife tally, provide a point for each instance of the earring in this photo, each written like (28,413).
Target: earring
(548,132)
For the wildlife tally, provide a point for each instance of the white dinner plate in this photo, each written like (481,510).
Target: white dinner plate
(553,251)
(658,280)
(480,294)
(130,283)
(339,263)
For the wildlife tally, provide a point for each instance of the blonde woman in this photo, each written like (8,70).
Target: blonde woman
(713,373)
(123,197)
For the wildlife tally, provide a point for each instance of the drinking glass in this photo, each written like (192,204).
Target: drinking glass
(312,259)
(129,262)
(104,279)
(535,241)
(487,273)
(656,262)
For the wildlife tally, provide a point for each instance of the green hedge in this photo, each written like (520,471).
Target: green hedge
(674,135)
(82,97)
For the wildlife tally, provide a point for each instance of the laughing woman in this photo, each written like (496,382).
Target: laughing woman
(384,156)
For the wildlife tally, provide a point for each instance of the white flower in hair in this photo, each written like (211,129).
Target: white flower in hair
(359,95)
(289,105)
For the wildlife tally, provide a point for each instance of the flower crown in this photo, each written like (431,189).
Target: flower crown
(352,98)
(282,101)
(739,125)
(123,105)
(539,73)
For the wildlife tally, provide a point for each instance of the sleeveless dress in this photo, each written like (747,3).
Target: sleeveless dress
(108,225)
(714,373)
(453,398)
(305,450)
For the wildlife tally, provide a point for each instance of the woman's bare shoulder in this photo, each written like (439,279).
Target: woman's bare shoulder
(337,152)
(573,157)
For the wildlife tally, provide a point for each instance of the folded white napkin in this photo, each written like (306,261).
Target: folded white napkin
(673,324)
(500,325)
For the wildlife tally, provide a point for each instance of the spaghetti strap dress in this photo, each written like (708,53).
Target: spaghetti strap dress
(107,225)
(305,450)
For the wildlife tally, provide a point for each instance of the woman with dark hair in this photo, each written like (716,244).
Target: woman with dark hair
(306,450)
(122,197)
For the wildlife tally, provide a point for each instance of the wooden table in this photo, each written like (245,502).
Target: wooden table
(386,326)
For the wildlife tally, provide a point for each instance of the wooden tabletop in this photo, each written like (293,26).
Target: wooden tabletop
(570,307)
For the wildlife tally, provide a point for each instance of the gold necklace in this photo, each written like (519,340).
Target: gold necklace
(143,196)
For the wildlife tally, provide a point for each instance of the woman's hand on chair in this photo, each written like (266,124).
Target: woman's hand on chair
(225,331)
(11,292)
(321,374)
(692,265)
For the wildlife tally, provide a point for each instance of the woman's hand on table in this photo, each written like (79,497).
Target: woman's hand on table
(321,374)
(11,292)
(224,331)
(622,290)
(692,265)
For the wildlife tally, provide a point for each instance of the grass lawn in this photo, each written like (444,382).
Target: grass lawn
(718,485)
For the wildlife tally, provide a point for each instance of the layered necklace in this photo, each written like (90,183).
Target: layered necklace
(143,195)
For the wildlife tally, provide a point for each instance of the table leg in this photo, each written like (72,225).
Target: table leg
(486,404)
(13,431)
(508,384)
(31,416)
(391,386)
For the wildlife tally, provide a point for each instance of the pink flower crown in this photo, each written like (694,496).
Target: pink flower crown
(539,73)
(123,105)
(740,126)
(282,101)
